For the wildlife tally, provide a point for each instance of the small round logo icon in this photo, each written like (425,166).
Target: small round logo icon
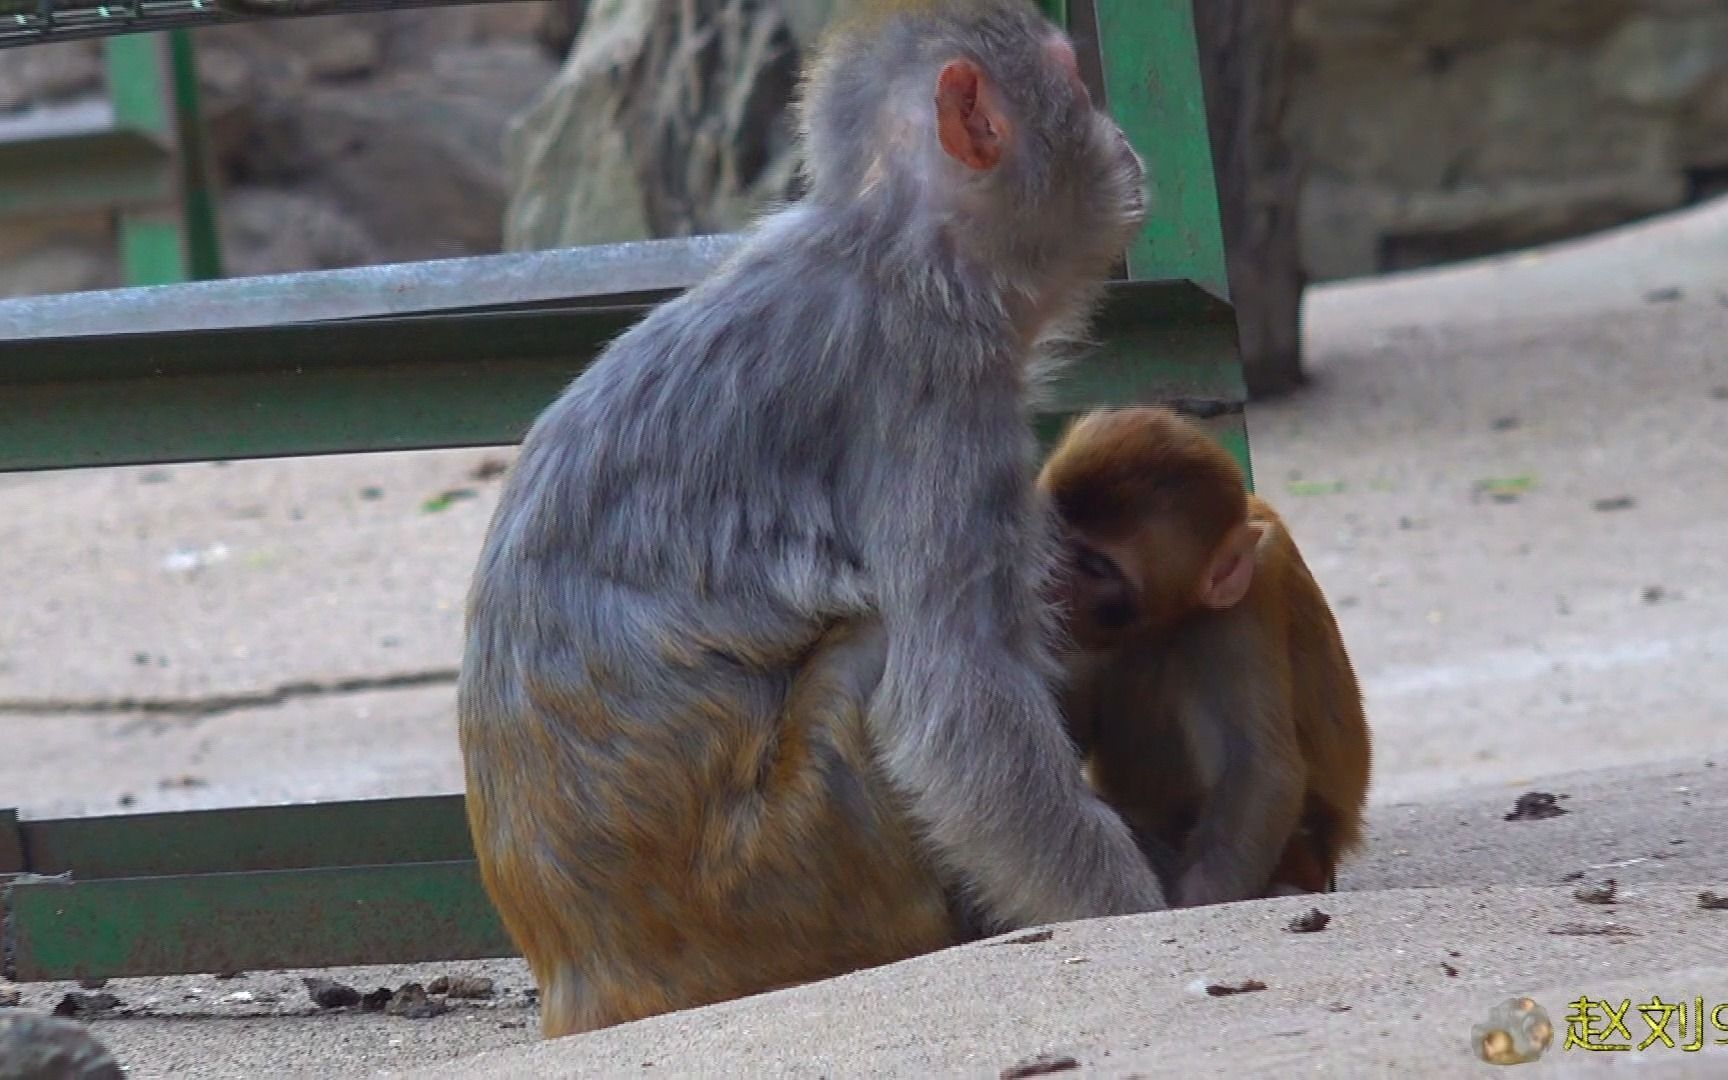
(1516,1032)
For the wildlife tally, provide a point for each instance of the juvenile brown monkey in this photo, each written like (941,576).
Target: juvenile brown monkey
(757,672)
(1211,690)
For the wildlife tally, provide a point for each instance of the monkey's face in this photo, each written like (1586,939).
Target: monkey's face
(1135,586)
(1098,601)
(1118,180)
(1100,178)
(1070,177)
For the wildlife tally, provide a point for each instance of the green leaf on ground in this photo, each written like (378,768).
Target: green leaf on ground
(445,500)
(1507,485)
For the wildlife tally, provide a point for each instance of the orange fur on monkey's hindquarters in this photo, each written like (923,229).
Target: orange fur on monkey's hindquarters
(1202,638)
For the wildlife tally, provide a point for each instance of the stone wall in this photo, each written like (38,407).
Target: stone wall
(1443,129)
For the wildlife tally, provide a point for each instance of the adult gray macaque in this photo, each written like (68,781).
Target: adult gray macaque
(758,674)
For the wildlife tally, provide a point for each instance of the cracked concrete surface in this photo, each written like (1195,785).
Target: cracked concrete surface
(1510,477)
(217,704)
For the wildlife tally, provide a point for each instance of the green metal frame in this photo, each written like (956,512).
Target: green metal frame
(153,84)
(145,160)
(463,352)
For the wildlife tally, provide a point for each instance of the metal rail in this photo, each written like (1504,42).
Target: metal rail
(30,22)
(308,885)
(462,353)
(603,275)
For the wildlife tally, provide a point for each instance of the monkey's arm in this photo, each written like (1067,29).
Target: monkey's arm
(967,718)
(1236,706)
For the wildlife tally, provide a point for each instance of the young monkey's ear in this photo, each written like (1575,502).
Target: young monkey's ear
(969,118)
(1231,570)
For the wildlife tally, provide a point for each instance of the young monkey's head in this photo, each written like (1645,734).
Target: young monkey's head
(971,114)
(1154,521)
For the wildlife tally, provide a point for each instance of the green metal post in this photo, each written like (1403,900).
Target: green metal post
(1152,76)
(152,248)
(1152,83)
(203,245)
(153,84)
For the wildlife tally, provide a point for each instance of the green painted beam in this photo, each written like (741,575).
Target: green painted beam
(153,248)
(198,196)
(247,922)
(1152,79)
(361,832)
(415,382)
(1150,70)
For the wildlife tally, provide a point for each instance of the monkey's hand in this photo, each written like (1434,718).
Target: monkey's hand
(1242,718)
(1163,859)
(1198,888)
(967,719)
(1243,828)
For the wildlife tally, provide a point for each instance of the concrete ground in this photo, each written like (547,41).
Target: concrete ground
(1510,477)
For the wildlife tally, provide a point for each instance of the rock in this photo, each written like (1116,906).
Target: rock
(1435,132)
(55,265)
(38,1047)
(605,155)
(44,73)
(80,1005)
(415,163)
(329,994)
(571,177)
(1663,63)
(410,1001)
(473,987)
(346,56)
(265,230)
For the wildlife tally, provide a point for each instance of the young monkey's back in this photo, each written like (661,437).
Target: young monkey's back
(1331,723)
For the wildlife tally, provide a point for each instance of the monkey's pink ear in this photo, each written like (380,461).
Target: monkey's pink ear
(1231,571)
(968,120)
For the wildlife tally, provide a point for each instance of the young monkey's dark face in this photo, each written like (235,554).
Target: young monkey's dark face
(1100,606)
(1119,589)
